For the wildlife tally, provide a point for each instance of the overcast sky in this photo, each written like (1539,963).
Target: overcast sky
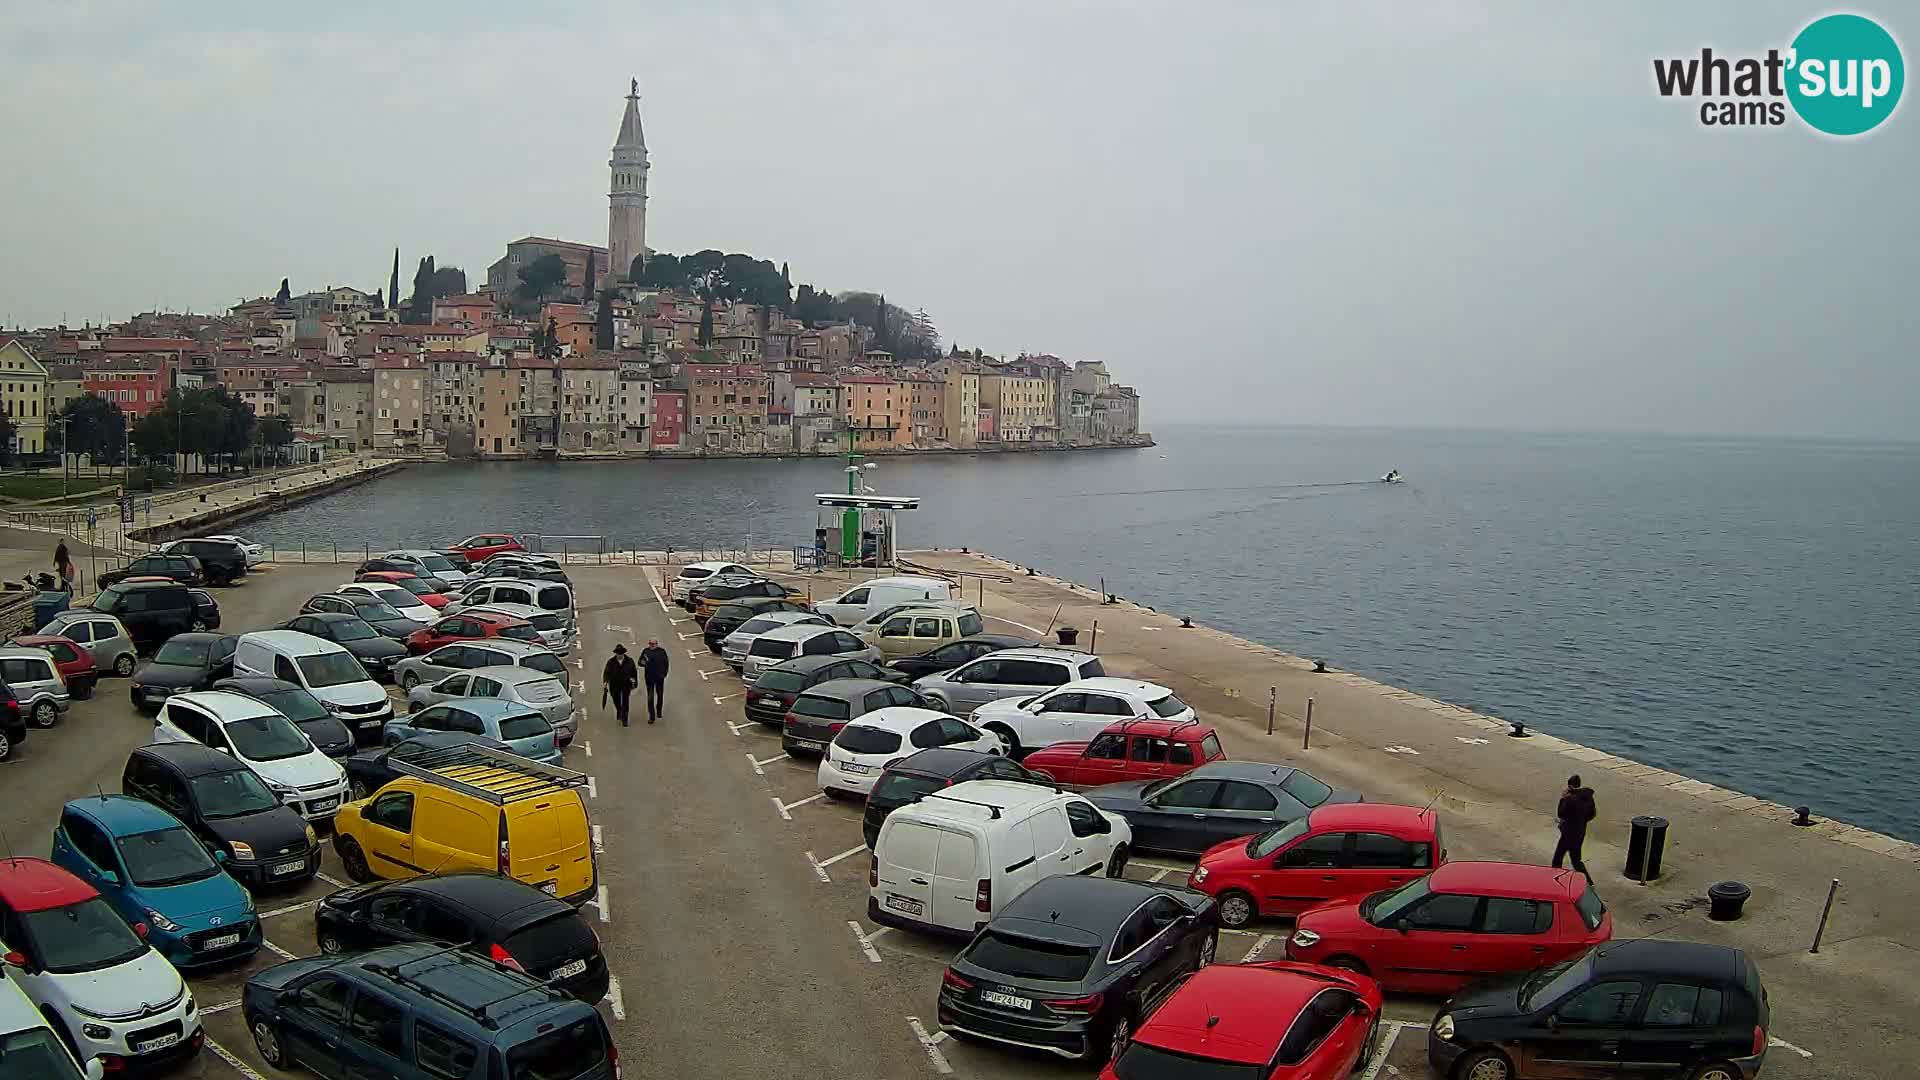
(1440,214)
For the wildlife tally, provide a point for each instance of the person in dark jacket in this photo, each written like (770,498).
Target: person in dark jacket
(1576,809)
(617,681)
(653,659)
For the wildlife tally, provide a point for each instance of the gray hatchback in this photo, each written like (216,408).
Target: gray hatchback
(818,713)
(1004,674)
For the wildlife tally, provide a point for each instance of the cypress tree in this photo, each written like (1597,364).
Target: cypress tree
(393,282)
(285,295)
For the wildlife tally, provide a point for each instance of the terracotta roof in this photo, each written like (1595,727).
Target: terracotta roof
(550,242)
(140,344)
(397,361)
(725,371)
(808,378)
(873,380)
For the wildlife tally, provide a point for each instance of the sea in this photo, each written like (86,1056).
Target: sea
(1743,611)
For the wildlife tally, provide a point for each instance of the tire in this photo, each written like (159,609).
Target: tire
(1118,1035)
(1007,737)
(1369,1048)
(1237,909)
(123,665)
(352,860)
(46,714)
(1117,862)
(1347,963)
(82,689)
(357,790)
(409,680)
(1484,1065)
(6,746)
(1716,1070)
(1209,949)
(330,944)
(266,1039)
(196,625)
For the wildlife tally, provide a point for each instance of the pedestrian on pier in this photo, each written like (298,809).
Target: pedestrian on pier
(63,565)
(1576,809)
(653,660)
(617,681)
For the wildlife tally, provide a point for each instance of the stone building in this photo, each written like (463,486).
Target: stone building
(626,193)
(504,274)
(399,402)
(348,397)
(727,404)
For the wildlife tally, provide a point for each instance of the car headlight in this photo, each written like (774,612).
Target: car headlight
(1305,939)
(282,791)
(334,709)
(241,849)
(1443,1026)
(95,1031)
(161,922)
(1199,874)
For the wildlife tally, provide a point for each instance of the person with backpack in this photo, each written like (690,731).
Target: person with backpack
(1576,809)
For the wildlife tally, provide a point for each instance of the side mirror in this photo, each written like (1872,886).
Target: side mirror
(1402,925)
(220,856)
(1553,1022)
(108,877)
(95,1070)
(1361,1008)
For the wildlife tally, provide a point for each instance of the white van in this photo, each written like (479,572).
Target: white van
(945,864)
(330,672)
(864,599)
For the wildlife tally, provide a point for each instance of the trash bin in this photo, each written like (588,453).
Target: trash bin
(1068,634)
(46,606)
(1647,842)
(1725,899)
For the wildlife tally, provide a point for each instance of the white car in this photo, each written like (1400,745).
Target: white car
(393,596)
(31,1046)
(693,574)
(256,553)
(87,971)
(1078,711)
(733,647)
(783,643)
(259,737)
(866,746)
(433,564)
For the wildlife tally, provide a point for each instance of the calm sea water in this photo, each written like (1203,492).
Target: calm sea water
(1745,612)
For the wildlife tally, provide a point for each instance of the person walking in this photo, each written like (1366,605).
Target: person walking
(617,681)
(1576,809)
(653,659)
(63,565)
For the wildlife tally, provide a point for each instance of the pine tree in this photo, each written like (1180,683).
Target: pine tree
(393,283)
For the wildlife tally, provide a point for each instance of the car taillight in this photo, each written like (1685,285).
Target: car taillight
(788,720)
(1759,1041)
(957,982)
(613,1059)
(504,958)
(1089,1004)
(983,896)
(873,876)
(836,726)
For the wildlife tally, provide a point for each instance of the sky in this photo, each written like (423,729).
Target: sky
(1443,214)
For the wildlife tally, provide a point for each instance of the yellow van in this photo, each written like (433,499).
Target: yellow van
(470,807)
(910,631)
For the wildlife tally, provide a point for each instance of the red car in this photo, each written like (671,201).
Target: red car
(413,583)
(1338,849)
(1129,750)
(477,549)
(1463,922)
(470,626)
(1272,1021)
(70,658)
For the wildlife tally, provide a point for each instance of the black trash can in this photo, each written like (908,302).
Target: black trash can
(1725,899)
(1645,845)
(1067,634)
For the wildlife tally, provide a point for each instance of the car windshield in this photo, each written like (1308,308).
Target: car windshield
(1305,788)
(165,857)
(415,586)
(183,653)
(295,704)
(1029,958)
(545,663)
(331,669)
(85,936)
(861,739)
(905,787)
(521,632)
(1555,981)
(757,626)
(1167,706)
(437,563)
(780,682)
(1273,840)
(231,794)
(356,630)
(1142,1062)
(546,620)
(374,611)
(110,600)
(266,738)
(1383,907)
(571,1052)
(772,648)
(34,1053)
(824,708)
(524,726)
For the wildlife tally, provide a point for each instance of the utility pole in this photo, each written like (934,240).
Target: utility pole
(850,517)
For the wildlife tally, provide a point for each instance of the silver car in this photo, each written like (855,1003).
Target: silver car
(467,655)
(36,683)
(556,631)
(733,647)
(546,694)
(102,635)
(433,564)
(786,642)
(1004,674)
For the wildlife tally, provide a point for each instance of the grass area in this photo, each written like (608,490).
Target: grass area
(27,487)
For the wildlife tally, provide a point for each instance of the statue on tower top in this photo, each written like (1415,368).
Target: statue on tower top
(636,89)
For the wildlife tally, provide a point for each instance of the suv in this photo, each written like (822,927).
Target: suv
(100,634)
(803,639)
(375,651)
(229,808)
(1079,711)
(151,611)
(260,738)
(912,778)
(36,683)
(708,597)
(773,693)
(1003,674)
(554,596)
(184,569)
(817,715)
(921,628)
(467,655)
(295,702)
(422,1012)
(222,561)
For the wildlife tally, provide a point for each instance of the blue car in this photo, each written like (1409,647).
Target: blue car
(157,874)
(520,727)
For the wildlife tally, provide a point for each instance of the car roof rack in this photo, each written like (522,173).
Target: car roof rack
(993,811)
(453,767)
(479,1012)
(1126,726)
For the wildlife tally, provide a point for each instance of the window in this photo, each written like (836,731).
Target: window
(1181,753)
(440,1054)
(323,999)
(1083,819)
(1065,703)
(1305,788)
(377,1023)
(1315,852)
(926,628)
(896,628)
(1506,915)
(394,810)
(1240,796)
(1104,705)
(1606,1004)
(395,910)
(1108,748)
(1192,794)
(1446,911)
(438,924)
(970,623)
(955,731)
(1318,1020)
(1375,850)
(87,839)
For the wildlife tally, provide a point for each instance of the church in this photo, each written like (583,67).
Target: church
(626,223)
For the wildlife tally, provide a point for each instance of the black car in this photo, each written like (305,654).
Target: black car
(184,569)
(205,608)
(297,703)
(184,662)
(954,653)
(508,921)
(529,572)
(222,561)
(1218,801)
(375,651)
(368,771)
(152,611)
(769,697)
(696,592)
(378,614)
(734,614)
(379,564)
(1635,1008)
(13,723)
(819,712)
(919,774)
(737,588)
(229,808)
(1073,963)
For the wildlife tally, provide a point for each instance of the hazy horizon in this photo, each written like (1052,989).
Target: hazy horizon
(1481,217)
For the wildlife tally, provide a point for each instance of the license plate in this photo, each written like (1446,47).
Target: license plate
(221,942)
(289,867)
(366,724)
(905,904)
(324,804)
(1011,1001)
(809,744)
(551,888)
(856,768)
(568,971)
(160,1043)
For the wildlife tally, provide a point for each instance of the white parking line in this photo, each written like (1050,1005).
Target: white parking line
(1259,946)
(600,902)
(1157,875)
(705,675)
(588,747)
(227,1056)
(693,654)
(598,845)
(220,1008)
(819,871)
(1034,630)
(331,881)
(774,758)
(780,808)
(290,909)
(1385,1048)
(866,943)
(614,1001)
(657,597)
(845,854)
(784,807)
(593,789)
(277,950)
(1169,867)
(1785,1045)
(695,634)
(612,629)
(931,1045)
(724,698)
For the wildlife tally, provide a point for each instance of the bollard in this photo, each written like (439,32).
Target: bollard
(1821,930)
(1272,693)
(1306,736)
(1093,644)
(1186,622)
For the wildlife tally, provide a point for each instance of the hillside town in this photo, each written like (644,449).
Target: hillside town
(572,350)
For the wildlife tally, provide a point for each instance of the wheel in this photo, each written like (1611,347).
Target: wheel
(1208,948)
(353,860)
(1718,1070)
(1117,862)
(196,624)
(1347,963)
(267,1041)
(82,688)
(357,790)
(1370,1047)
(408,680)
(1007,738)
(123,665)
(331,944)
(1117,1036)
(414,707)
(6,746)
(46,714)
(1484,1065)
(1237,909)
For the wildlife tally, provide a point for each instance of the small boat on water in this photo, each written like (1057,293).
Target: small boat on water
(1393,477)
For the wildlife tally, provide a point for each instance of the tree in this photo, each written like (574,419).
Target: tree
(276,435)
(94,426)
(7,434)
(706,320)
(284,296)
(153,436)
(447,281)
(546,340)
(393,282)
(593,272)
(603,323)
(538,278)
